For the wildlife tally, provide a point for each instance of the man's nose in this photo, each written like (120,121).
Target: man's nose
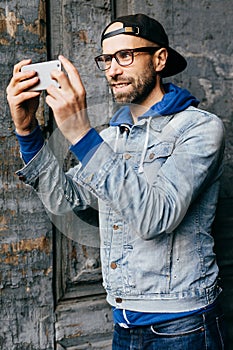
(115,68)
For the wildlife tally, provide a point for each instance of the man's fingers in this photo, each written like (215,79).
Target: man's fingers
(62,80)
(18,66)
(73,74)
(21,83)
(17,100)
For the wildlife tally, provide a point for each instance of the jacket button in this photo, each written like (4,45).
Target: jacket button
(118,300)
(127,156)
(151,156)
(115,227)
(22,177)
(113,265)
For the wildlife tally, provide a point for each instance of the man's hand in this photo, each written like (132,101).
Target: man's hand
(69,102)
(23,104)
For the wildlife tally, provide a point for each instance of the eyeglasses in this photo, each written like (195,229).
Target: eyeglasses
(123,57)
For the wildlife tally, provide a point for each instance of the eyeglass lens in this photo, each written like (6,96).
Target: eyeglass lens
(123,58)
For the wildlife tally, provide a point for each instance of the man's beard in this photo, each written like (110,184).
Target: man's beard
(142,86)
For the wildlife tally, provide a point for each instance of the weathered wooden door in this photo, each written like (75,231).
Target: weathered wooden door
(83,318)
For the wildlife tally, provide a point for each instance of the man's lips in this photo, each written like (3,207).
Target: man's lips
(120,85)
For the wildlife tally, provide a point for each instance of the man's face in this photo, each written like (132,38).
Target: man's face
(133,83)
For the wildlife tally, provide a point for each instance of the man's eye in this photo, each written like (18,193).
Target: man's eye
(107,59)
(124,55)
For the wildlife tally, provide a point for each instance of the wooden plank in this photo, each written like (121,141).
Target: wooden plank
(84,321)
(26,311)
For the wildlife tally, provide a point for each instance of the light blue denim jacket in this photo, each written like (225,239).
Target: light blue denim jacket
(157,190)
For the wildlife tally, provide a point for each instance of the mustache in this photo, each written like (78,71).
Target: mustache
(121,80)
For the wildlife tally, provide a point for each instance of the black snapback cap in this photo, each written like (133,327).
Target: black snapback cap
(142,26)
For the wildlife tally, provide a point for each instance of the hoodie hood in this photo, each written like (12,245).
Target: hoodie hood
(174,100)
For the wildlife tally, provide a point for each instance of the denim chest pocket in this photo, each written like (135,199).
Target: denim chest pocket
(159,152)
(154,159)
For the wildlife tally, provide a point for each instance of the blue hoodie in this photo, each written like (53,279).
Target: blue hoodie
(175,100)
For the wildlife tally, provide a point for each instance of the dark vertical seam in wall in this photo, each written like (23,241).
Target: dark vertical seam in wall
(49,55)
(50,129)
(54,272)
(113,9)
(48,30)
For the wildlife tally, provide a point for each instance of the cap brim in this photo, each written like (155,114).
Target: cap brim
(175,64)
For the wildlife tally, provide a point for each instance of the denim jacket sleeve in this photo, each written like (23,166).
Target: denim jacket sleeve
(56,189)
(152,206)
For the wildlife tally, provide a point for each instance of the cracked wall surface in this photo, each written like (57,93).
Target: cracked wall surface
(26,297)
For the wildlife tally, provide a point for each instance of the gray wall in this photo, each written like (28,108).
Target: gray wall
(26,298)
(202,31)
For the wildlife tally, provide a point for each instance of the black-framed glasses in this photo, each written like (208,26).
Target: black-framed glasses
(123,57)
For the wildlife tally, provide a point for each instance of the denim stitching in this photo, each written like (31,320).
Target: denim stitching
(171,335)
(204,323)
(220,333)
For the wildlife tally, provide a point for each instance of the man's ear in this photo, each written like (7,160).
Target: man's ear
(159,59)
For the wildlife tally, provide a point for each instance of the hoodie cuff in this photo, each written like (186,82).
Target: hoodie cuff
(30,144)
(87,146)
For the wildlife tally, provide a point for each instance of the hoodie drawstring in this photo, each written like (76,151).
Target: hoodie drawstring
(116,140)
(141,169)
(124,129)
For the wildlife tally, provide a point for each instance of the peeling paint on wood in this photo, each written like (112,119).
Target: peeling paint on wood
(9,22)
(41,244)
(26,271)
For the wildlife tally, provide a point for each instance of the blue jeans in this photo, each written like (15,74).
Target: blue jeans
(197,332)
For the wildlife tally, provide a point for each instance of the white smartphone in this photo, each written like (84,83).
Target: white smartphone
(43,70)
